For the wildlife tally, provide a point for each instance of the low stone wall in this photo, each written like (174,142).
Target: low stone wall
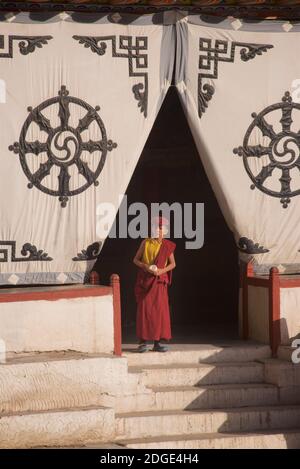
(80,324)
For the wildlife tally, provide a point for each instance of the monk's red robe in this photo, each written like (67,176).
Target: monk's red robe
(151,293)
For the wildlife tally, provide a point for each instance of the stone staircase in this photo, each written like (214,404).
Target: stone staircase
(194,396)
(210,397)
(61,398)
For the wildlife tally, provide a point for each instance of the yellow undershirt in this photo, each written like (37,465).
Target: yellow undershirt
(151,249)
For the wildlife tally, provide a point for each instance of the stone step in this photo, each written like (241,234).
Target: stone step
(186,422)
(282,373)
(45,381)
(200,374)
(57,428)
(284,439)
(288,353)
(235,351)
(200,397)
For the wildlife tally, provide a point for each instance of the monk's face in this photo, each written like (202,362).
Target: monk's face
(159,231)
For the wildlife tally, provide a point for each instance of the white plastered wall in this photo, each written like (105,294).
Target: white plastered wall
(80,324)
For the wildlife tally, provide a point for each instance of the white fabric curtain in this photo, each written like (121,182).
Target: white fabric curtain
(239,85)
(79,94)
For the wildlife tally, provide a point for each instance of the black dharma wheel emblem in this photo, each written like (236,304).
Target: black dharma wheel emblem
(64,155)
(278,157)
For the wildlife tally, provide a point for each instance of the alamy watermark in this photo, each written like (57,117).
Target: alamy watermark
(296,352)
(186,220)
(296,90)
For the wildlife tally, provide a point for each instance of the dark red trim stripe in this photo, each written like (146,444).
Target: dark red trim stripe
(85,291)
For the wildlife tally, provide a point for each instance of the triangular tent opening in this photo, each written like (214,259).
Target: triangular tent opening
(204,293)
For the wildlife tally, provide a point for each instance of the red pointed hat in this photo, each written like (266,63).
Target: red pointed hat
(160,221)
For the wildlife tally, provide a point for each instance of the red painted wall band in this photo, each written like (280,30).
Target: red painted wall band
(55,294)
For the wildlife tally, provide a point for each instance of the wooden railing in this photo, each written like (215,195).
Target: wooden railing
(274,282)
(115,288)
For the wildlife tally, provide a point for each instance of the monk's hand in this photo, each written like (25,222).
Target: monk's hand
(158,272)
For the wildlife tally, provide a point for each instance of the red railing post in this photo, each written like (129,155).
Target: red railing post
(248,272)
(115,284)
(94,278)
(274,310)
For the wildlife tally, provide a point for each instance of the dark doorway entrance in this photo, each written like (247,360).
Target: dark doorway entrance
(204,293)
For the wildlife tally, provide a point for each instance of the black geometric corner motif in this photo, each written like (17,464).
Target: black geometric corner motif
(222,51)
(27,44)
(28,250)
(136,61)
(90,253)
(282,152)
(248,246)
(63,147)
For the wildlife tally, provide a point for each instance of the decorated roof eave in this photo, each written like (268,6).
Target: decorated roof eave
(255,11)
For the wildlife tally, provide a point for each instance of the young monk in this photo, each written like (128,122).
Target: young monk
(155,261)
